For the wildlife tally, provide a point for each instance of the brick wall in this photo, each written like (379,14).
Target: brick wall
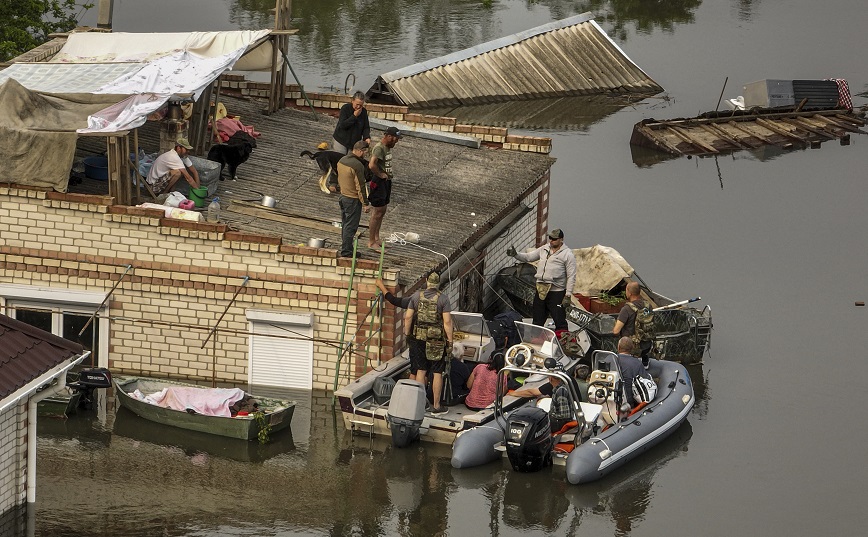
(185,274)
(526,233)
(13,464)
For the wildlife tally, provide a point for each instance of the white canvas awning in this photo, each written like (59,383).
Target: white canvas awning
(120,47)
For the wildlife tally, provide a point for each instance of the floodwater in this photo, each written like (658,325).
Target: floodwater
(773,241)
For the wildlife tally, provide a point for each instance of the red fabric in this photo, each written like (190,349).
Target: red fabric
(228,126)
(844,99)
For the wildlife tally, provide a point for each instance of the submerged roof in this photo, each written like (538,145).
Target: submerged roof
(26,352)
(573,56)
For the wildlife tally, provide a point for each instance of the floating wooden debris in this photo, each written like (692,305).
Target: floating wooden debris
(722,132)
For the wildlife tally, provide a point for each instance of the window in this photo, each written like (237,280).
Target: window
(63,313)
(281,349)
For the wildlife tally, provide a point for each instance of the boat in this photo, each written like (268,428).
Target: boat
(723,132)
(134,393)
(604,436)
(383,402)
(127,424)
(682,332)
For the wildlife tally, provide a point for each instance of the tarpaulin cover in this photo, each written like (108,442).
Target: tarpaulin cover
(100,47)
(599,268)
(205,401)
(38,133)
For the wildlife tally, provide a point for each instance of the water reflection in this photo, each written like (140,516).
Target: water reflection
(626,494)
(620,18)
(560,114)
(195,444)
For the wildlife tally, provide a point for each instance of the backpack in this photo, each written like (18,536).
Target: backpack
(503,331)
(644,327)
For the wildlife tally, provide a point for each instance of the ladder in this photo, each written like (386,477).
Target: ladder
(346,349)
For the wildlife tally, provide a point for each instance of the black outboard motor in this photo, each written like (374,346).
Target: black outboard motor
(529,440)
(88,381)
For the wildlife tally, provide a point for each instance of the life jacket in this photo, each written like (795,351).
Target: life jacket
(644,326)
(428,326)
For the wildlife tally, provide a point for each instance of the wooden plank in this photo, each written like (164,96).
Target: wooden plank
(693,141)
(719,132)
(275,215)
(845,126)
(747,117)
(755,135)
(783,132)
(802,123)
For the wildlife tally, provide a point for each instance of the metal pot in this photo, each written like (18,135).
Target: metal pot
(268,201)
(317,243)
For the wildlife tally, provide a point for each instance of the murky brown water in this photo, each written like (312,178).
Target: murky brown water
(775,243)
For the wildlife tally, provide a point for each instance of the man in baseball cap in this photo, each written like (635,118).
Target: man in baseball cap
(555,277)
(171,166)
(380,186)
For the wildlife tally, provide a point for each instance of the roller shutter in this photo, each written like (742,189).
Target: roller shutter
(285,361)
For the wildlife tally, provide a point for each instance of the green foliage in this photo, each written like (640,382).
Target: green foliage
(612,300)
(25,24)
(264,427)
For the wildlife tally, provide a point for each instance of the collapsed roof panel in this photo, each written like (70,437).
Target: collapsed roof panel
(570,57)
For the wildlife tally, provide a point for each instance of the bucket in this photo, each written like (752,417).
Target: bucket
(198,195)
(96,168)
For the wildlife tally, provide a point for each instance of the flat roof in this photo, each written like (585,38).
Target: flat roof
(440,189)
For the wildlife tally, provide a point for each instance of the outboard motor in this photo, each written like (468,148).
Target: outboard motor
(406,411)
(529,440)
(88,381)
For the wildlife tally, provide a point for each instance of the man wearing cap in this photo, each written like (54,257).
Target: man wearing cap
(353,198)
(171,166)
(381,182)
(428,319)
(555,277)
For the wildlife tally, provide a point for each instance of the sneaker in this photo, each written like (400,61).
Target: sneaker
(440,410)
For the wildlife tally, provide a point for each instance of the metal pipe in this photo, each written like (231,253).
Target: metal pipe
(214,328)
(31,423)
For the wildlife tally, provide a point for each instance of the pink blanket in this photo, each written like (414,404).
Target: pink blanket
(207,401)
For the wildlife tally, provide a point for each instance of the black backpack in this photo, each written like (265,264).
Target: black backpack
(503,331)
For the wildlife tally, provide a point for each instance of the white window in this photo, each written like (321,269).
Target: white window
(281,349)
(62,312)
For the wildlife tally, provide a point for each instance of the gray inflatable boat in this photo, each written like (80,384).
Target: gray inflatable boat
(605,434)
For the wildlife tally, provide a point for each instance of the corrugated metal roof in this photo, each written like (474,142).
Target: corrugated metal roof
(27,352)
(573,56)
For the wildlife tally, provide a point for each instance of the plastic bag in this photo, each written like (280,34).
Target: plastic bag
(174,199)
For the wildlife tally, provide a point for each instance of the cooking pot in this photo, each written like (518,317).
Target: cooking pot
(264,200)
(317,243)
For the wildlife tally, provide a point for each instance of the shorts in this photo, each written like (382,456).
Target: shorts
(417,355)
(380,192)
(418,360)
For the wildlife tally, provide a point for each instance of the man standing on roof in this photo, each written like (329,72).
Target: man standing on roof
(381,183)
(353,198)
(169,167)
(555,277)
(428,319)
(352,124)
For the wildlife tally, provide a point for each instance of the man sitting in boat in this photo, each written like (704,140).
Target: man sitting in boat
(559,412)
(631,368)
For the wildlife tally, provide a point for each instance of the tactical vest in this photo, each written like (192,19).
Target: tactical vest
(428,326)
(644,326)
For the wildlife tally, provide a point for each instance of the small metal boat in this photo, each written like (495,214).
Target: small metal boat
(276,414)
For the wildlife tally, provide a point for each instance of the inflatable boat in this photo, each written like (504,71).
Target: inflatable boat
(605,433)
